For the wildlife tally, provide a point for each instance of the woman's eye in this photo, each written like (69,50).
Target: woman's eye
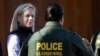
(32,15)
(27,15)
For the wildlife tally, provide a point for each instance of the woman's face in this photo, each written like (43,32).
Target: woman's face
(27,19)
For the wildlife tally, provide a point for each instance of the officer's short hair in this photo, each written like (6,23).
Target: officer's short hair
(54,12)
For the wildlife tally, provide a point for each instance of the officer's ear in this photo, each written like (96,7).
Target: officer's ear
(62,20)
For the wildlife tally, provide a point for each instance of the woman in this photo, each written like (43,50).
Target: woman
(22,26)
(95,42)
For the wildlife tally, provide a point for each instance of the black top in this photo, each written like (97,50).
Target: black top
(23,34)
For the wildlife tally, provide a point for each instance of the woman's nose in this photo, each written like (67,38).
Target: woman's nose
(30,18)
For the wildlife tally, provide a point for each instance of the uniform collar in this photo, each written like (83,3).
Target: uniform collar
(53,24)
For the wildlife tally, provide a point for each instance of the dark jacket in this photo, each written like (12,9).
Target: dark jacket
(53,39)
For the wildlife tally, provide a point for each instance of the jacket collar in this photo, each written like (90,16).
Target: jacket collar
(53,24)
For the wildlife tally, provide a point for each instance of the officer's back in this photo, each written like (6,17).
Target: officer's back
(53,39)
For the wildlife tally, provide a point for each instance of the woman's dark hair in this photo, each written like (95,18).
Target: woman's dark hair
(54,12)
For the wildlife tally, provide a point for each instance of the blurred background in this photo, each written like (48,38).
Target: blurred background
(81,16)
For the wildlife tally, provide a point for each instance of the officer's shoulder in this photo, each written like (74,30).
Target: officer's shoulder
(35,36)
(73,35)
